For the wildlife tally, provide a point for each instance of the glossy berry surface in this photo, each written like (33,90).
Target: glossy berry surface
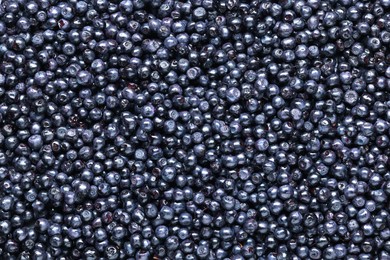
(213,129)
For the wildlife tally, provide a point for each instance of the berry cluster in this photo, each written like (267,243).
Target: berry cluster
(194,129)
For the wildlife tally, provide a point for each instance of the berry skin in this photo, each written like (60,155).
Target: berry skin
(173,129)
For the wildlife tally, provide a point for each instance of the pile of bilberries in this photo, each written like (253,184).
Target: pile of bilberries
(194,129)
